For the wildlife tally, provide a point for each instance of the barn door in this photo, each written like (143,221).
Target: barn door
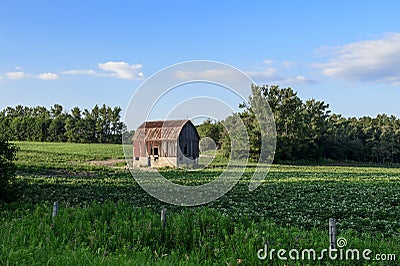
(155,153)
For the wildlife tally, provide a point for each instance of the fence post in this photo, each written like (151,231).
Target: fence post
(332,233)
(55,209)
(163,218)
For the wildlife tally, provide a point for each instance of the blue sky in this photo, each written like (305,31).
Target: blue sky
(82,53)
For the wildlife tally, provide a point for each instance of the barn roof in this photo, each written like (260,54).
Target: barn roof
(160,130)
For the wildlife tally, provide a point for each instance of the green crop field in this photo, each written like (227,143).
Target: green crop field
(106,218)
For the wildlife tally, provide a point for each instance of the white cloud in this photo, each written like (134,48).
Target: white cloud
(269,61)
(211,74)
(276,75)
(287,64)
(298,80)
(122,70)
(79,72)
(16,75)
(225,75)
(113,69)
(48,76)
(372,60)
(267,73)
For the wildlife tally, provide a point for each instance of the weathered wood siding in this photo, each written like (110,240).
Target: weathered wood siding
(189,141)
(168,148)
(176,142)
(139,149)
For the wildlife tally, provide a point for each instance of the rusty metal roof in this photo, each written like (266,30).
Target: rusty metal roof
(160,130)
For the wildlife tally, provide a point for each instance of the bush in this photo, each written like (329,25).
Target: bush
(8,154)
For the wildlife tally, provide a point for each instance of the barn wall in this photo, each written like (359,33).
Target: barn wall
(141,162)
(168,148)
(184,161)
(189,142)
(136,149)
(160,162)
(164,161)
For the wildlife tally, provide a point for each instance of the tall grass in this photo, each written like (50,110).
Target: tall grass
(116,233)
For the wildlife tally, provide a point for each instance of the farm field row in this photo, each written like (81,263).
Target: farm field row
(105,216)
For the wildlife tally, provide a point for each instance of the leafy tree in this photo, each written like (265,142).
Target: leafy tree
(8,153)
(211,130)
(117,127)
(235,141)
(57,124)
(73,126)
(39,124)
(306,130)
(315,115)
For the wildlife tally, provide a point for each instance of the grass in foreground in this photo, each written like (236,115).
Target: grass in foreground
(117,233)
(106,218)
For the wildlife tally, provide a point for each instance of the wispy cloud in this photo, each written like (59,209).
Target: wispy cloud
(276,72)
(371,60)
(79,72)
(267,73)
(269,61)
(217,74)
(48,76)
(16,75)
(210,74)
(120,70)
(298,80)
(288,64)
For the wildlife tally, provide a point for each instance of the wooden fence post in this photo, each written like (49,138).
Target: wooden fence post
(163,218)
(55,209)
(332,233)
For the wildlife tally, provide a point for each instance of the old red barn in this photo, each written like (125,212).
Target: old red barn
(166,143)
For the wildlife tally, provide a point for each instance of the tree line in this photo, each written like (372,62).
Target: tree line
(307,130)
(99,125)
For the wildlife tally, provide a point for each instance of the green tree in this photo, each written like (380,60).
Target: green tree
(73,126)
(235,140)
(315,128)
(211,130)
(117,127)
(8,153)
(288,111)
(57,124)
